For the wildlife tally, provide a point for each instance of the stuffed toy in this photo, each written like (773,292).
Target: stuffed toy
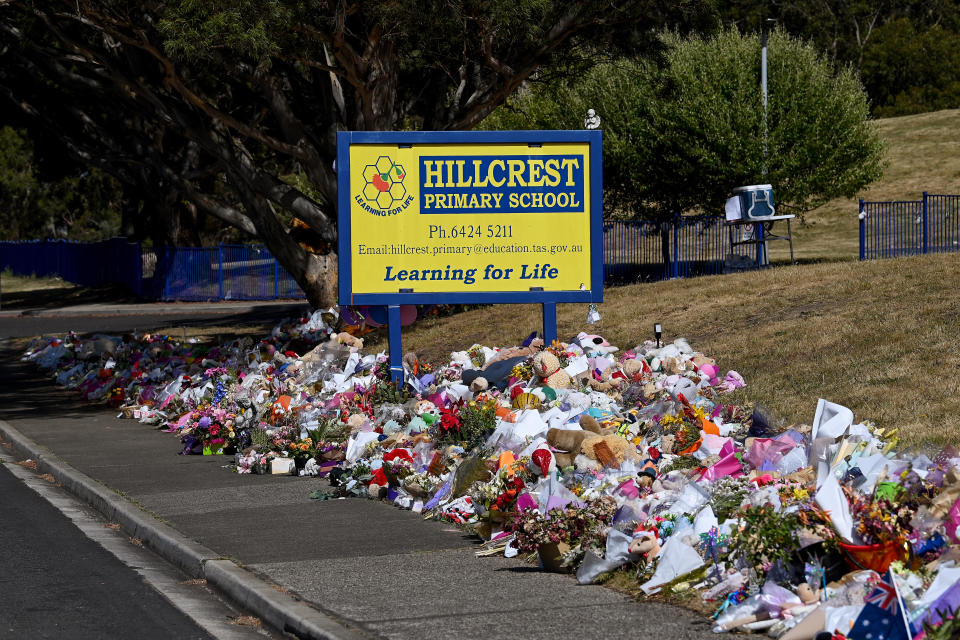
(547,367)
(711,373)
(647,473)
(531,347)
(566,444)
(635,368)
(349,340)
(606,383)
(645,543)
(609,450)
(428,411)
(589,423)
(592,344)
(479,385)
(666,444)
(526,401)
(543,462)
(497,375)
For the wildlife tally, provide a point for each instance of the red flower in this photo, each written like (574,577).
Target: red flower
(450,419)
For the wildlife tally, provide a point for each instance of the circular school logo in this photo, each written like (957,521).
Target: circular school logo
(383,184)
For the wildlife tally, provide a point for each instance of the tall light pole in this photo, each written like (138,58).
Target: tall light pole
(765,28)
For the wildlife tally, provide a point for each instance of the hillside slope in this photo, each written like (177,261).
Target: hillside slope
(922,156)
(881,337)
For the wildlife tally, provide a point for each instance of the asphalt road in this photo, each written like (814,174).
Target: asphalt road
(33,324)
(57,583)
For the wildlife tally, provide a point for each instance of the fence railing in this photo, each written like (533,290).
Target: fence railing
(225,272)
(909,227)
(640,250)
(633,251)
(91,264)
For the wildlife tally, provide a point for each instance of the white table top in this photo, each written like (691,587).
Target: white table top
(756,220)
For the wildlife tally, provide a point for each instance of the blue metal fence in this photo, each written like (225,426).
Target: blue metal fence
(633,251)
(225,272)
(909,227)
(639,250)
(91,264)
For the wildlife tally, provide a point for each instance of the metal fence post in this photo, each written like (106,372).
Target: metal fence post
(924,215)
(220,268)
(862,215)
(676,245)
(276,278)
(166,272)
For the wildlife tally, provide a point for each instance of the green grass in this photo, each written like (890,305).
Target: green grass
(921,156)
(881,337)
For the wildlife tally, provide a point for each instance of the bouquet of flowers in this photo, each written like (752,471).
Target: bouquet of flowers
(879,519)
(209,430)
(573,525)
(420,484)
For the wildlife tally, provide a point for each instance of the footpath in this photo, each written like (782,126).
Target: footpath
(346,569)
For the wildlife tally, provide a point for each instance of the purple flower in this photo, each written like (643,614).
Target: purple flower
(204,422)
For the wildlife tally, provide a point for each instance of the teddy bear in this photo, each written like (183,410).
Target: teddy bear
(547,367)
(645,543)
(606,383)
(590,447)
(350,340)
(634,368)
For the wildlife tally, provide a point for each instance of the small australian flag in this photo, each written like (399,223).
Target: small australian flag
(883,616)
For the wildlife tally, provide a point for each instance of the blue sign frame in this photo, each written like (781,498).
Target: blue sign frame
(409,138)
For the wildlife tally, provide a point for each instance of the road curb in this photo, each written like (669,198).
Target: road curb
(202,309)
(257,596)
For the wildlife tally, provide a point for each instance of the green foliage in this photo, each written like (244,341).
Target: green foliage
(195,28)
(765,536)
(906,71)
(679,135)
(84,206)
(948,629)
(478,420)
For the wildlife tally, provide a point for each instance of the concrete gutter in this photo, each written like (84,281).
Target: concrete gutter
(261,599)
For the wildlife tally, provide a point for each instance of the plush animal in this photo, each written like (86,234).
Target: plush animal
(607,382)
(609,450)
(647,473)
(497,375)
(479,385)
(547,367)
(543,461)
(531,348)
(566,444)
(645,543)
(666,444)
(635,368)
(349,340)
(593,344)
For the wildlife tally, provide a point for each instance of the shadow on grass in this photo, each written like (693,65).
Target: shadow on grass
(64,296)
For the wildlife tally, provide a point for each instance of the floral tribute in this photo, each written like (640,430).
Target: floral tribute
(636,461)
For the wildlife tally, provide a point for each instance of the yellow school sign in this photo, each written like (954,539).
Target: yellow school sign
(438,217)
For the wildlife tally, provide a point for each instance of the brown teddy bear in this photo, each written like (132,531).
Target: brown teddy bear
(547,367)
(592,441)
(350,340)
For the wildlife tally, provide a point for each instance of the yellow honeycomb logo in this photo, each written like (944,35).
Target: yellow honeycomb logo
(383,183)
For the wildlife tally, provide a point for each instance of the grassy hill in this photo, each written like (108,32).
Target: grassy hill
(881,337)
(921,155)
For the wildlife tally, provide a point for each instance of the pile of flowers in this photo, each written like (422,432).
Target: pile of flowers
(634,460)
